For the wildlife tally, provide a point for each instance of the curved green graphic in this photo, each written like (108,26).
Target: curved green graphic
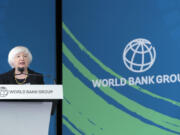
(93,115)
(107,69)
(147,113)
(86,105)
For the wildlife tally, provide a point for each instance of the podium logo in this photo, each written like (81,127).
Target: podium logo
(139,55)
(3,92)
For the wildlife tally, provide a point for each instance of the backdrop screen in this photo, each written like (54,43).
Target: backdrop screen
(121,67)
(30,23)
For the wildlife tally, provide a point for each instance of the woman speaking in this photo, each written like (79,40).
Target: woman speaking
(19,59)
(29,116)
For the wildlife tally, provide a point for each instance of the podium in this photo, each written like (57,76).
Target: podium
(26,109)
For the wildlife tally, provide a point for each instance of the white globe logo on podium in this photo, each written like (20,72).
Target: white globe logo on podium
(139,55)
(3,92)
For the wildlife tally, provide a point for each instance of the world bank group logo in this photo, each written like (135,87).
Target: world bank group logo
(139,55)
(3,92)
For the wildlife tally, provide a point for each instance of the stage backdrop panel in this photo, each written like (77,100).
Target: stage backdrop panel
(121,67)
(30,23)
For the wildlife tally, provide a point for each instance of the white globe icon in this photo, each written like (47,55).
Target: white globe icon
(139,55)
(3,92)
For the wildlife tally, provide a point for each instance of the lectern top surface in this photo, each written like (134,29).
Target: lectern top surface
(28,92)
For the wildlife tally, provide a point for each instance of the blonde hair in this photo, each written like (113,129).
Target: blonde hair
(16,50)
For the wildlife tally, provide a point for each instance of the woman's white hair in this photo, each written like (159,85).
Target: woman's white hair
(16,50)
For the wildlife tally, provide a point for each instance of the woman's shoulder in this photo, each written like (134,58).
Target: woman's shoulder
(9,73)
(7,77)
(30,71)
(35,77)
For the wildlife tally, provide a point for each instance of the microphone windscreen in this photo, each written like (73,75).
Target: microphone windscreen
(21,70)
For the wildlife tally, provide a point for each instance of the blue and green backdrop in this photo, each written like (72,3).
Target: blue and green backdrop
(121,67)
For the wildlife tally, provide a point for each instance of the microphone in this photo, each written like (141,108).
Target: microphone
(21,70)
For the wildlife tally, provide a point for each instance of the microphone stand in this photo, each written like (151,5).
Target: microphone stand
(21,70)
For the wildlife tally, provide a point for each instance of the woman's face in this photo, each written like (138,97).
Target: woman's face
(21,60)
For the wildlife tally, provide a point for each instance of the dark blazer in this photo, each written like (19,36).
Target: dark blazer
(33,77)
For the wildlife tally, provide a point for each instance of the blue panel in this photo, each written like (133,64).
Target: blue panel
(31,24)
